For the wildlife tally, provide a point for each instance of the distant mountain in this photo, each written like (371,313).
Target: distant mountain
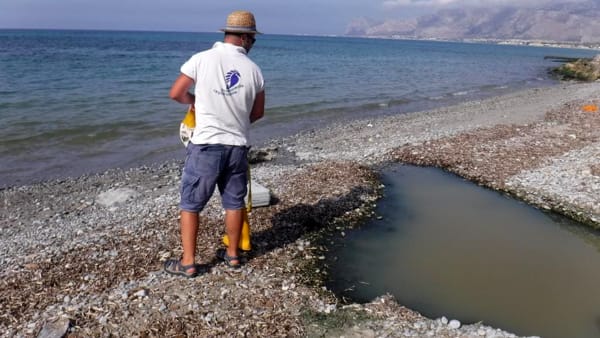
(572,22)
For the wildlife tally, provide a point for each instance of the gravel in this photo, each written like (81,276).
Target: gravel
(83,256)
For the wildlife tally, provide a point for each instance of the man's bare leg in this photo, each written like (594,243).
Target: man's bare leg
(189,233)
(233,226)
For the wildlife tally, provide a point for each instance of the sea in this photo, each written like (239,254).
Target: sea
(75,102)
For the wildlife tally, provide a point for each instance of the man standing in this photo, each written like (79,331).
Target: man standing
(228,96)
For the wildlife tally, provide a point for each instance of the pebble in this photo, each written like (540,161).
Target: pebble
(54,329)
(454,324)
(141,293)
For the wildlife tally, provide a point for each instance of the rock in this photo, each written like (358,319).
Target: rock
(141,293)
(262,155)
(454,324)
(595,169)
(55,329)
(581,69)
(31,266)
(115,196)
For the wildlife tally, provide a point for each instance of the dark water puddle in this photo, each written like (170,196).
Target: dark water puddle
(447,247)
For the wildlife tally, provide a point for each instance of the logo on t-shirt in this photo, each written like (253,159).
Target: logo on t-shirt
(232,78)
(232,84)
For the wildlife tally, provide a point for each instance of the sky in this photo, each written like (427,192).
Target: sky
(312,17)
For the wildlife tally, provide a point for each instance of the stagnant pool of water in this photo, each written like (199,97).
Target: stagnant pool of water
(447,247)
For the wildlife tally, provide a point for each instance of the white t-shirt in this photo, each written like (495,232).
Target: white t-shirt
(226,84)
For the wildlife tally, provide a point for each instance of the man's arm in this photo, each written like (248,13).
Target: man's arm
(180,90)
(258,109)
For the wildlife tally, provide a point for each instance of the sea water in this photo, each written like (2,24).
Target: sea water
(74,102)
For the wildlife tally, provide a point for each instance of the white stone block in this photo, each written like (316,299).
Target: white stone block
(261,196)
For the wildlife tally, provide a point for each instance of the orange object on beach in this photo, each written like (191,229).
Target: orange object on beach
(590,108)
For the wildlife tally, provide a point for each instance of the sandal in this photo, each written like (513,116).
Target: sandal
(229,260)
(174,267)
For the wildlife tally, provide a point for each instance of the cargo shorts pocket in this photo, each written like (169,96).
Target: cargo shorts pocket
(199,177)
(189,187)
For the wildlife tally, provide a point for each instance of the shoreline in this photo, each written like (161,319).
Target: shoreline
(512,42)
(89,249)
(261,134)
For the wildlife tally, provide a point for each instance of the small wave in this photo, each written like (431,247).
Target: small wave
(72,136)
(142,82)
(333,110)
(397,102)
(463,93)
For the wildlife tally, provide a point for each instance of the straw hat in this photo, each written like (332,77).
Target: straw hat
(241,22)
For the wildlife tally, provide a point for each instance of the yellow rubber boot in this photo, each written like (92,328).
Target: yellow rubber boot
(244,243)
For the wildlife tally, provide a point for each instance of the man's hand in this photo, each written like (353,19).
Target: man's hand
(258,109)
(180,90)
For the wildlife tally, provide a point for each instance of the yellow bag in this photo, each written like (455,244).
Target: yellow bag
(186,129)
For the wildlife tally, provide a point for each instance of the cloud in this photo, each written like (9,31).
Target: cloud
(480,3)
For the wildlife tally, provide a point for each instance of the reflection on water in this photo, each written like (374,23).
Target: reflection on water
(447,247)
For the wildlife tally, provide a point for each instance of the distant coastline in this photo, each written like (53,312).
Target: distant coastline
(540,43)
(514,42)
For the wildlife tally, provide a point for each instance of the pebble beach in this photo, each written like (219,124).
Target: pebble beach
(82,257)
